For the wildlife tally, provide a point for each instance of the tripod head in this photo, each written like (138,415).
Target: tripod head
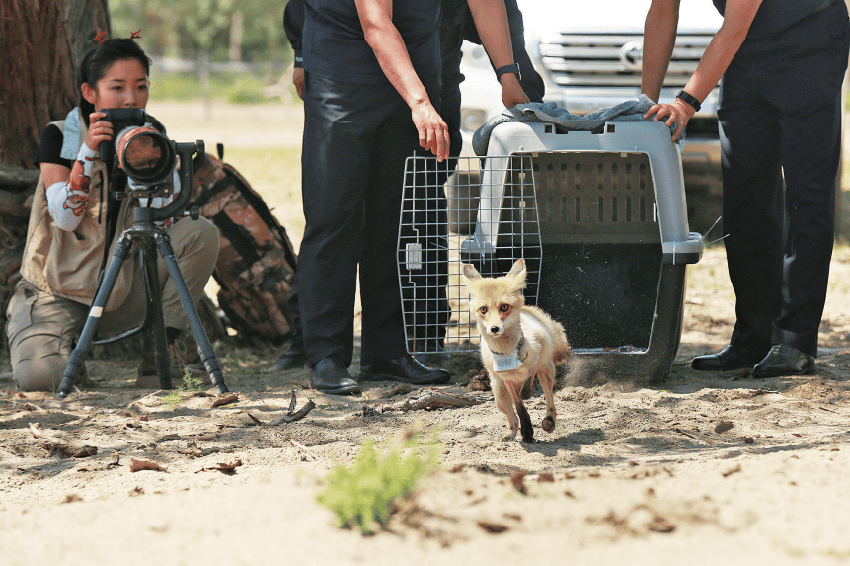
(185,151)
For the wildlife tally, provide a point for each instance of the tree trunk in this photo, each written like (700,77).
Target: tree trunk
(85,19)
(42,43)
(36,75)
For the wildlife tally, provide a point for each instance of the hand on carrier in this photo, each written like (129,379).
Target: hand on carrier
(678,112)
(99,131)
(512,92)
(433,131)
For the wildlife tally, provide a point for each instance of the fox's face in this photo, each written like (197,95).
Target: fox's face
(494,315)
(496,303)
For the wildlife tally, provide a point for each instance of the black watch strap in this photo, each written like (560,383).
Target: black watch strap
(513,68)
(689,99)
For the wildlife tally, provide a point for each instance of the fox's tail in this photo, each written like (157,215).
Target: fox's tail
(561,346)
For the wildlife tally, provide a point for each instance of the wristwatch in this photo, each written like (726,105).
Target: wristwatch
(689,99)
(513,68)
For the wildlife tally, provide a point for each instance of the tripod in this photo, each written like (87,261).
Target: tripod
(148,236)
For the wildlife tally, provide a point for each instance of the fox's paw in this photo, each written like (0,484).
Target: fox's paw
(548,423)
(509,437)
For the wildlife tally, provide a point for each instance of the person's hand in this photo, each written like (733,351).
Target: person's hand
(433,131)
(99,130)
(298,81)
(679,112)
(512,93)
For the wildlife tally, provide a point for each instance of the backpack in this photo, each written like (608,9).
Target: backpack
(256,262)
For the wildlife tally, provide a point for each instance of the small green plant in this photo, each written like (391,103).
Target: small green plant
(191,383)
(364,494)
(188,385)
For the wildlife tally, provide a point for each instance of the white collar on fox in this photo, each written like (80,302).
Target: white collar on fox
(504,362)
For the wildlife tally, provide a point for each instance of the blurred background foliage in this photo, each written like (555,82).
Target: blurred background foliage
(232,50)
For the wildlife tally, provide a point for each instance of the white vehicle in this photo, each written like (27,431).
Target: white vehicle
(589,55)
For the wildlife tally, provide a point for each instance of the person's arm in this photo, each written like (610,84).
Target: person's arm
(293,25)
(67,190)
(659,36)
(492,23)
(716,59)
(376,18)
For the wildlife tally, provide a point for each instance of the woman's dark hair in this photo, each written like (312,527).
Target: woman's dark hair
(98,60)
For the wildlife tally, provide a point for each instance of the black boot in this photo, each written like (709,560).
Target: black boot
(295,355)
(784,360)
(331,376)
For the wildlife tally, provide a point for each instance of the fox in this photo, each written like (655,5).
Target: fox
(518,342)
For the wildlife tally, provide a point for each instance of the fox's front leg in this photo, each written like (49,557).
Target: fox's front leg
(505,404)
(525,428)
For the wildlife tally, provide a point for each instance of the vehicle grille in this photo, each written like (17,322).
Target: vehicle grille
(614,60)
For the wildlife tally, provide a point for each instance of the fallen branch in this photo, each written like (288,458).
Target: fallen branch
(430,398)
(292,417)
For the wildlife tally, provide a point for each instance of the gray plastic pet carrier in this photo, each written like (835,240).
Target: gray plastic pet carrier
(613,244)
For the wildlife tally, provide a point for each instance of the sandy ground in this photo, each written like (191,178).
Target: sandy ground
(703,468)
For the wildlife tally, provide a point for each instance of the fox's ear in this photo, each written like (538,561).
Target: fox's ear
(470,272)
(517,273)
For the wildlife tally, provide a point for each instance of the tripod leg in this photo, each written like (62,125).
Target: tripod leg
(154,307)
(93,321)
(204,346)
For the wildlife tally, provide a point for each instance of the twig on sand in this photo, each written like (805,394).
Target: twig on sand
(431,398)
(292,417)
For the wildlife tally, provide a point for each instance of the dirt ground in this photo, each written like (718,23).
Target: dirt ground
(703,468)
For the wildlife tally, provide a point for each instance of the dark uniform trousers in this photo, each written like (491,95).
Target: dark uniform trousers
(780,110)
(356,140)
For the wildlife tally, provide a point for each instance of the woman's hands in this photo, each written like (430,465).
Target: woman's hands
(99,130)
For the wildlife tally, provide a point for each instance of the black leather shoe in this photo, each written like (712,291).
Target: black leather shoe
(404,369)
(331,376)
(784,360)
(732,357)
(295,355)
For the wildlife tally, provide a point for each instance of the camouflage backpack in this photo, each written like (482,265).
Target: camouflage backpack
(256,263)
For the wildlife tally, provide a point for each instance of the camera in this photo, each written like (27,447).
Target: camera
(149,160)
(144,153)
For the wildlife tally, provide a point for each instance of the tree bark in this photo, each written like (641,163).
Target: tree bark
(42,43)
(85,19)
(36,75)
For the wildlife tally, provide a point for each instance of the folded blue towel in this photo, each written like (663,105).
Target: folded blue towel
(629,111)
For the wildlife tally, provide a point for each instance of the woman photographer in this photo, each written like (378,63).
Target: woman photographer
(73,221)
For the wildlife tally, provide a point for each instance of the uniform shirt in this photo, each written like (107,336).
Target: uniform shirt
(334,46)
(774,16)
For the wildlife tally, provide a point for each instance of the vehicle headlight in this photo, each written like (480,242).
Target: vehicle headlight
(471,119)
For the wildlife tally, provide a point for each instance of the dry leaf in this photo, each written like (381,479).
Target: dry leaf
(137,465)
(224,399)
(223,467)
(492,527)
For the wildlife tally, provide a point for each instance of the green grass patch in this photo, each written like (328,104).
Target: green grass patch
(364,494)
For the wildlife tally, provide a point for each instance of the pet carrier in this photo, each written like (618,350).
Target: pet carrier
(610,241)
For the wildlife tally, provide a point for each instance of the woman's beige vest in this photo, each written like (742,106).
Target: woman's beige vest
(66,263)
